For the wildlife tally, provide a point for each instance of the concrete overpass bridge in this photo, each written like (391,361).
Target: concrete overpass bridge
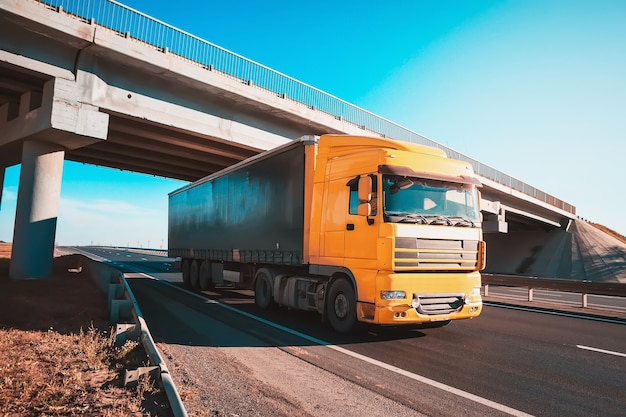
(100,83)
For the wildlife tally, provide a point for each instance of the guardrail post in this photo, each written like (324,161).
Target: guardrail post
(123,307)
(116,292)
(486,290)
(132,377)
(530,293)
(120,310)
(125,332)
(584,300)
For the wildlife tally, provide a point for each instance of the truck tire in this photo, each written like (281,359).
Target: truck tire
(263,290)
(204,276)
(341,306)
(193,275)
(186,263)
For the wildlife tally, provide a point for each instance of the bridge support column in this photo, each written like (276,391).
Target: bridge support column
(37,209)
(2,170)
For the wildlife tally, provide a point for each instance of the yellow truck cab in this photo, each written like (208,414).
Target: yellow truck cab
(404,220)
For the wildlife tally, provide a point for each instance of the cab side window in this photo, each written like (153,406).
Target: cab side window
(354,195)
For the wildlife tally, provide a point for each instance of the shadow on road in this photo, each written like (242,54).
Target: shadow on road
(229,318)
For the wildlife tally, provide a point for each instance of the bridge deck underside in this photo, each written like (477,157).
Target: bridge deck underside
(156,150)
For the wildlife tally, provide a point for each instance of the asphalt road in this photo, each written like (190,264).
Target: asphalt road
(506,362)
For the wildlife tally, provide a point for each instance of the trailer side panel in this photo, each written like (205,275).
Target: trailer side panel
(253,214)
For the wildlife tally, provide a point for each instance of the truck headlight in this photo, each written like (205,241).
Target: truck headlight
(474,296)
(392,295)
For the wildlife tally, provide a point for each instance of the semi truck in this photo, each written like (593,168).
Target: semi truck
(356,228)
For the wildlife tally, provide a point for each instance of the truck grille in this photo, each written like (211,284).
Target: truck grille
(435,254)
(433,304)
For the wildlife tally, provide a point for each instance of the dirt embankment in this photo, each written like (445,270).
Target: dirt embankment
(56,351)
(610,232)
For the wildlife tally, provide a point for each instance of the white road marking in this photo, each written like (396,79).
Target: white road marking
(464,394)
(608,352)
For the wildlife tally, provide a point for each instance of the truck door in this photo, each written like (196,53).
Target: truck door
(361,229)
(333,222)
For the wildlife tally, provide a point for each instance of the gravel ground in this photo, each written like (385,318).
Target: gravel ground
(266,381)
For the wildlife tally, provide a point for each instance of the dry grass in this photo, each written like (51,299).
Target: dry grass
(57,356)
(49,374)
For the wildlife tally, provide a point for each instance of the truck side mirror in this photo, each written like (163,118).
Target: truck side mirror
(365,189)
(365,197)
(364,209)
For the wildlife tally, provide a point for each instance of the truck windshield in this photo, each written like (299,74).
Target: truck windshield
(426,201)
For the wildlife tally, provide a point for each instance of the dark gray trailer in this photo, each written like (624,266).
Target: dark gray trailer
(252,212)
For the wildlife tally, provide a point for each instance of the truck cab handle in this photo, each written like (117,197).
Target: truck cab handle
(350,226)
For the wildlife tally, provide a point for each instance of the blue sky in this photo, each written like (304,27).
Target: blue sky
(536,89)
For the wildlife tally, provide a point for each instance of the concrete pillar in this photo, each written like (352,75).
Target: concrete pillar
(37,209)
(2,170)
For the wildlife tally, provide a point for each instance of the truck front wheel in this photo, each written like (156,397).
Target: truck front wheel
(341,306)
(263,290)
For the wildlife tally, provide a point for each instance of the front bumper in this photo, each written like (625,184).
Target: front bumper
(406,314)
(429,297)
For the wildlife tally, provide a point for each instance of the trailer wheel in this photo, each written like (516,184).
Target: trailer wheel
(185,270)
(341,306)
(193,275)
(263,290)
(204,276)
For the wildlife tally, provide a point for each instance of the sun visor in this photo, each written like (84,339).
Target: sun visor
(408,172)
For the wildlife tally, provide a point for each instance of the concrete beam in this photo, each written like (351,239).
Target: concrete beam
(538,218)
(488,206)
(37,210)
(143,107)
(495,226)
(495,223)
(60,110)
(537,209)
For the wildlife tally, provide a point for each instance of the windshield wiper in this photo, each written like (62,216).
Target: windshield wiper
(409,217)
(463,221)
(436,219)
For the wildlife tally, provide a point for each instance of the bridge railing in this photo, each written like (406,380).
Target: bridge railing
(134,24)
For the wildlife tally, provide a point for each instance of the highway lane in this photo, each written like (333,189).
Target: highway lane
(536,363)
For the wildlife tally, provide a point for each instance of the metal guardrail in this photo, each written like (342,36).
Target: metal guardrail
(585,288)
(124,312)
(138,26)
(159,367)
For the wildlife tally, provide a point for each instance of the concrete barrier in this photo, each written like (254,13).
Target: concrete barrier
(125,314)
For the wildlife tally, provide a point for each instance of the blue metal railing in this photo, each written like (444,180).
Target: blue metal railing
(143,28)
